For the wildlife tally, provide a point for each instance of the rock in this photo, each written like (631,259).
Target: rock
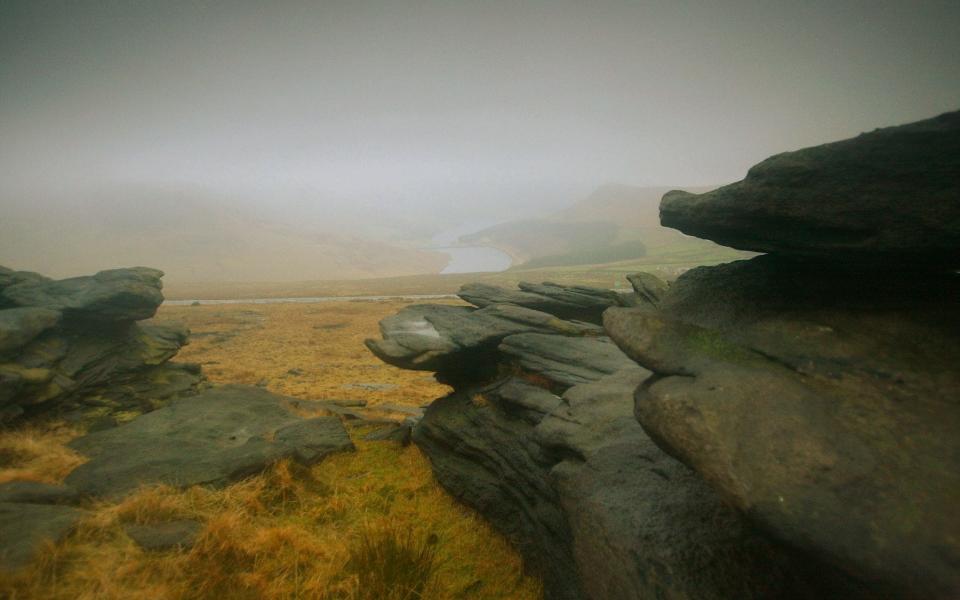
(346,402)
(25,528)
(884,198)
(125,362)
(414,411)
(212,438)
(370,387)
(116,295)
(821,403)
(399,434)
(78,343)
(35,492)
(596,508)
(19,326)
(164,536)
(649,288)
(565,361)
(457,341)
(566,302)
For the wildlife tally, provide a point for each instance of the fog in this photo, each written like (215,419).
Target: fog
(395,120)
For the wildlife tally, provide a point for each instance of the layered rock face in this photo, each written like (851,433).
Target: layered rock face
(817,388)
(77,342)
(540,437)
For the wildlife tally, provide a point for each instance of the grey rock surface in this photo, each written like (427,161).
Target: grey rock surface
(212,438)
(821,403)
(19,326)
(595,506)
(79,344)
(457,340)
(890,196)
(167,535)
(567,302)
(565,361)
(25,528)
(35,492)
(116,295)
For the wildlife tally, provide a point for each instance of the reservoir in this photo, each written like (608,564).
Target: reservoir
(469,259)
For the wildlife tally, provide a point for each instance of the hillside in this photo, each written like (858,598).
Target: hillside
(615,223)
(194,240)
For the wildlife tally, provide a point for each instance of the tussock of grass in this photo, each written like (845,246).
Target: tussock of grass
(392,564)
(37,452)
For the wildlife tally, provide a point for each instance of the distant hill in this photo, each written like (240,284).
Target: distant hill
(192,240)
(615,223)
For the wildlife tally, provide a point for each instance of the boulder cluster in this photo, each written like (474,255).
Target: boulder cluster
(80,343)
(786,426)
(76,348)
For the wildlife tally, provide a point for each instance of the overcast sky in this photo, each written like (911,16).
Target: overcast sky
(386,99)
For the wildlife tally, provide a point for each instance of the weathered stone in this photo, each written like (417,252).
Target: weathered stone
(822,403)
(35,492)
(399,434)
(567,302)
(19,326)
(167,535)
(565,361)
(457,340)
(115,295)
(649,288)
(25,528)
(212,438)
(596,508)
(891,196)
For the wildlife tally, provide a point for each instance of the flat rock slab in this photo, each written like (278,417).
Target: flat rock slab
(24,528)
(370,387)
(164,536)
(35,492)
(212,438)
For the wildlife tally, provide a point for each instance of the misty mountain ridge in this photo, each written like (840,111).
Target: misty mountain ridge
(194,237)
(616,222)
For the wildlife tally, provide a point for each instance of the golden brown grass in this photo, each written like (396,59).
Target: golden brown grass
(292,531)
(37,452)
(261,343)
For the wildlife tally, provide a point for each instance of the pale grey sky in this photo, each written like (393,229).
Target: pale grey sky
(399,99)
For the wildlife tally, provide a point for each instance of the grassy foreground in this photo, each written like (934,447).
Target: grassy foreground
(369,524)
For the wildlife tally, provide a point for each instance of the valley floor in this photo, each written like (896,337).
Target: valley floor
(290,532)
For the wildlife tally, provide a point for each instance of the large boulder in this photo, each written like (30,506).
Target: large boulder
(212,438)
(115,295)
(540,437)
(594,505)
(70,366)
(891,196)
(821,403)
(76,341)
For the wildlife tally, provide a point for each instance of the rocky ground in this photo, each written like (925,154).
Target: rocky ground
(236,484)
(778,427)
